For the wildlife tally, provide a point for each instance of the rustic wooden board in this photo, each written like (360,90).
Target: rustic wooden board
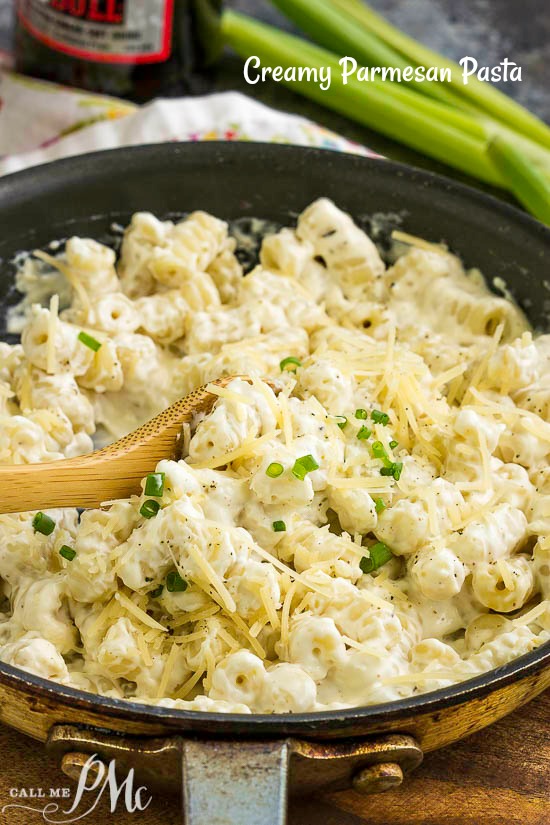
(500,776)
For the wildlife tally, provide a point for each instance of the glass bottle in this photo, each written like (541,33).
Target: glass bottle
(135,49)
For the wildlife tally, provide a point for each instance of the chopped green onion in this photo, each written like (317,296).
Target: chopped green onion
(394,444)
(397,470)
(343,421)
(379,554)
(361,414)
(279,526)
(366,564)
(175,583)
(526,180)
(275,470)
(379,451)
(67,552)
(88,341)
(154,485)
(43,524)
(304,465)
(363,433)
(291,360)
(149,508)
(157,592)
(379,505)
(380,417)
(390,468)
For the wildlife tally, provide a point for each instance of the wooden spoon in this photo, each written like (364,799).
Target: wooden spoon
(110,473)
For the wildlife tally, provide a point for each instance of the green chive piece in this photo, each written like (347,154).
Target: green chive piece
(397,470)
(394,444)
(378,449)
(379,554)
(43,524)
(379,505)
(67,552)
(361,414)
(154,485)
(304,465)
(342,422)
(380,417)
(366,564)
(279,526)
(363,433)
(275,470)
(88,341)
(157,592)
(149,508)
(291,360)
(175,583)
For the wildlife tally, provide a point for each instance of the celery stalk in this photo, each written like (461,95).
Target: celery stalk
(346,34)
(339,33)
(399,113)
(523,178)
(449,116)
(482,93)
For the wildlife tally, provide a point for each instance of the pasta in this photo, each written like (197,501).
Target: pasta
(365,516)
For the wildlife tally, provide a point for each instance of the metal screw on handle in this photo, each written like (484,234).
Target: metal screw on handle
(73,763)
(377,778)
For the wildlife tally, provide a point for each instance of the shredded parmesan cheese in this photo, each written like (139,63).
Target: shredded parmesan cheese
(248,448)
(52,332)
(144,650)
(420,243)
(230,395)
(188,686)
(167,672)
(139,614)
(506,574)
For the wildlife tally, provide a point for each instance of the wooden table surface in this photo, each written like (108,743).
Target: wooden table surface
(500,776)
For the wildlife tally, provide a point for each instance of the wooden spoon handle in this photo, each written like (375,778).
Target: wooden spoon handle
(85,481)
(110,473)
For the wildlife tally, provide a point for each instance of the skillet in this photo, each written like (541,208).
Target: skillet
(236,769)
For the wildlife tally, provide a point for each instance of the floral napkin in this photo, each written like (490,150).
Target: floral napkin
(40,122)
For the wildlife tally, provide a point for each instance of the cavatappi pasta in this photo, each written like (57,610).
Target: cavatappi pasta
(371,523)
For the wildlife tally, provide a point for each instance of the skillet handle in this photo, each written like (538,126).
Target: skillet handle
(235,783)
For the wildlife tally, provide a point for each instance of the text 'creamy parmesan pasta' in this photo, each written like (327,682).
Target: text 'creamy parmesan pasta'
(366,518)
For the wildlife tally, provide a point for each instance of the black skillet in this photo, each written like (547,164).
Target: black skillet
(234,769)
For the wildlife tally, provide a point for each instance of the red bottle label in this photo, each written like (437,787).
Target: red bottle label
(105,31)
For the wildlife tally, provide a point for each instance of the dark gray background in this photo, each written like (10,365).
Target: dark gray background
(488,30)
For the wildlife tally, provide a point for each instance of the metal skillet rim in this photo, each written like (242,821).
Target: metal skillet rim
(255,724)
(339,721)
